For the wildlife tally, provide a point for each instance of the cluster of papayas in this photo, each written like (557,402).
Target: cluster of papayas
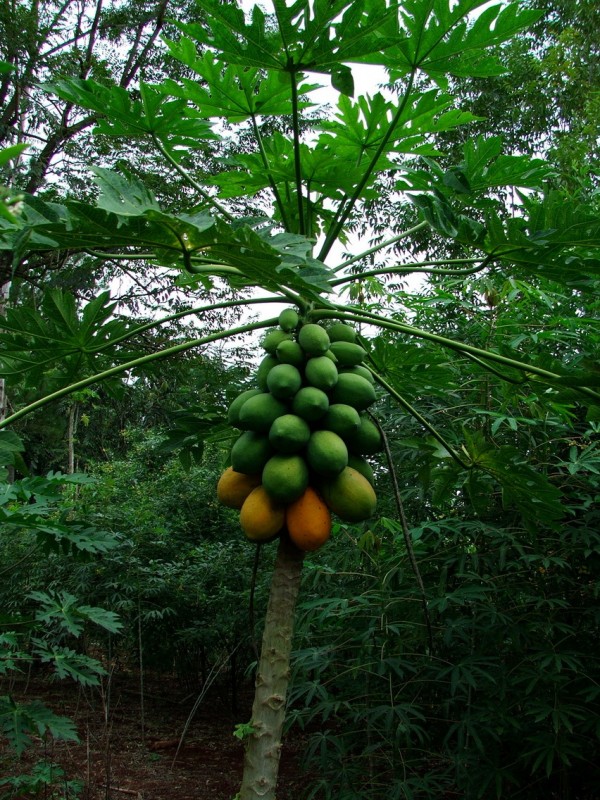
(305,435)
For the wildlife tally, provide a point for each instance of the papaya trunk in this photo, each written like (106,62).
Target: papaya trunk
(263,746)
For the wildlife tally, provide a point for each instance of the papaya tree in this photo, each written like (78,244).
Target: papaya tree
(276,222)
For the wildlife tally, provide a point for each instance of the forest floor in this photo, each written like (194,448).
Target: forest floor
(118,760)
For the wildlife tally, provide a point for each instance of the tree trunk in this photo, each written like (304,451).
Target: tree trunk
(263,747)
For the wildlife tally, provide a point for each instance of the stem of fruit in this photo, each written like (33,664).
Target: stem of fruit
(136,362)
(368,318)
(420,418)
(263,746)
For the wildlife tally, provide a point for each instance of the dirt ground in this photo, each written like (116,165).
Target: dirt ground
(118,760)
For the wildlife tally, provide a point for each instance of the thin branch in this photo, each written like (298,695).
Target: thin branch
(421,419)
(406,532)
(136,362)
(297,155)
(335,230)
(380,246)
(367,317)
(192,181)
(272,184)
(426,267)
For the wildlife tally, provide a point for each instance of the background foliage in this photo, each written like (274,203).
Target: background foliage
(448,647)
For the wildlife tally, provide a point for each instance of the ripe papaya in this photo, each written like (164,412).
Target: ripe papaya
(308,520)
(285,477)
(350,496)
(261,517)
(234,487)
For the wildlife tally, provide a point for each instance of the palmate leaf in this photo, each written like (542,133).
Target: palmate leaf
(441,39)
(56,335)
(62,608)
(19,721)
(524,488)
(120,115)
(309,37)
(231,91)
(69,664)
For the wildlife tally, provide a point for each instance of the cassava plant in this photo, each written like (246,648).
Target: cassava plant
(278,217)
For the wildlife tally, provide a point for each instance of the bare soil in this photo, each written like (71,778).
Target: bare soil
(119,758)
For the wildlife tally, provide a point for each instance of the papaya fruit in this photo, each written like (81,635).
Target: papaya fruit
(250,453)
(283,381)
(350,389)
(310,403)
(350,496)
(348,354)
(361,465)
(261,517)
(308,520)
(341,332)
(289,433)
(359,369)
(233,411)
(341,419)
(285,477)
(326,453)
(272,339)
(259,412)
(234,487)
(367,439)
(288,319)
(289,352)
(313,339)
(265,366)
(321,372)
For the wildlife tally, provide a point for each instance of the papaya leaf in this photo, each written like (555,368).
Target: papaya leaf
(19,721)
(231,91)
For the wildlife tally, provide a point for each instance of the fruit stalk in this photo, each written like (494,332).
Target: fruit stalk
(263,746)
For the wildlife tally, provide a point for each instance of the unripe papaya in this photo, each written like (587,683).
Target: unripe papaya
(350,496)
(340,332)
(234,409)
(285,477)
(350,389)
(308,521)
(288,319)
(313,339)
(259,412)
(250,453)
(273,338)
(348,354)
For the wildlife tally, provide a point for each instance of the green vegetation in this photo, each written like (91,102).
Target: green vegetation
(432,381)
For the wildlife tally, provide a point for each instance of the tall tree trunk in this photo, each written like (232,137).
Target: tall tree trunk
(263,747)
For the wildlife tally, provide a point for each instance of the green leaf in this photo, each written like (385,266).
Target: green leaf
(19,721)
(8,153)
(231,91)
